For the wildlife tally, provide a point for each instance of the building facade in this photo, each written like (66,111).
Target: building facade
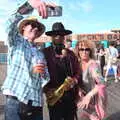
(44,39)
(3,61)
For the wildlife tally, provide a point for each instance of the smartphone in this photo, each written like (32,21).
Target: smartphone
(54,11)
(26,8)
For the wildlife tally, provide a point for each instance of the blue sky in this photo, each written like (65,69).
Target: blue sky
(85,16)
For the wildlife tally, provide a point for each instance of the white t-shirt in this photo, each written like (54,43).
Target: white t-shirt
(113,52)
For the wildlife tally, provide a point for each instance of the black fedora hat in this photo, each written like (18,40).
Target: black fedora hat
(58,29)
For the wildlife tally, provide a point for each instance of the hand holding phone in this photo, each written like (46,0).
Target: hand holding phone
(52,11)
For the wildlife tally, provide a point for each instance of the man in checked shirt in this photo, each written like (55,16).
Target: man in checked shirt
(24,82)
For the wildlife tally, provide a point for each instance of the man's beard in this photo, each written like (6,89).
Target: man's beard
(58,48)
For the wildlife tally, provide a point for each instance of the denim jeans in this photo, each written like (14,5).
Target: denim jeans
(12,110)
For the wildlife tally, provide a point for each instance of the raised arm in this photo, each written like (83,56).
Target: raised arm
(12,30)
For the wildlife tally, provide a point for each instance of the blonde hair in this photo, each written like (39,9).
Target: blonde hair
(86,43)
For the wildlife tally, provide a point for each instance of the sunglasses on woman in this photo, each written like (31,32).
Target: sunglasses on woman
(84,49)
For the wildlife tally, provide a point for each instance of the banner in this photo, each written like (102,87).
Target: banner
(99,37)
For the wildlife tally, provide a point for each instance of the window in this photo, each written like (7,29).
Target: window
(3,57)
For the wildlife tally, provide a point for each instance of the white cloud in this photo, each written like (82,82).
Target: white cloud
(85,6)
(1,21)
(3,35)
(104,31)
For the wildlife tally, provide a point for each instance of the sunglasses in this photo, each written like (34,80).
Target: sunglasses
(84,49)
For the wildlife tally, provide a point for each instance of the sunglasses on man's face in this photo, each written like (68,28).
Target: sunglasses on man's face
(84,49)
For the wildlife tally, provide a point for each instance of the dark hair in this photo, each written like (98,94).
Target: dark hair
(112,43)
(68,40)
(102,47)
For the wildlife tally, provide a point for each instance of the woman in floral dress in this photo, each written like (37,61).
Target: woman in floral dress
(92,103)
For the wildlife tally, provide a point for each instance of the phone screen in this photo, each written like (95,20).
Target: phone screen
(54,11)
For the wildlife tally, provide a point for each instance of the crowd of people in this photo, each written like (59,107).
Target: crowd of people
(72,80)
(109,60)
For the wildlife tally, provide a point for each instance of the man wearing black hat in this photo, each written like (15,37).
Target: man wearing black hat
(63,67)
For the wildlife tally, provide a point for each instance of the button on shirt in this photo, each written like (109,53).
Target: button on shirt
(20,80)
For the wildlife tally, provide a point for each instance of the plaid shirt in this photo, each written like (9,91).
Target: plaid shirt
(20,80)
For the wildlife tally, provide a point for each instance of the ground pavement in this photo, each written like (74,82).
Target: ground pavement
(113,90)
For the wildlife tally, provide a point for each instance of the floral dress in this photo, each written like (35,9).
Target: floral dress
(92,77)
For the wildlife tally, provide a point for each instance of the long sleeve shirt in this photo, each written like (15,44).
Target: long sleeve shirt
(20,80)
